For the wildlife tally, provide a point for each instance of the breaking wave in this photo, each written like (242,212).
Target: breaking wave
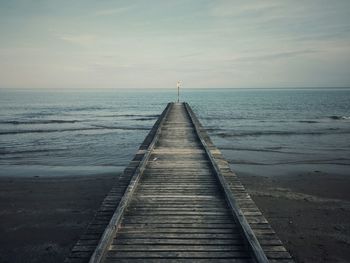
(271,149)
(280,133)
(30,151)
(153,116)
(308,121)
(73,129)
(335,117)
(38,122)
(339,161)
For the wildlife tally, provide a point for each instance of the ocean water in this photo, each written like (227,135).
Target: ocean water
(260,131)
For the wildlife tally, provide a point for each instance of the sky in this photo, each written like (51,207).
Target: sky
(154,43)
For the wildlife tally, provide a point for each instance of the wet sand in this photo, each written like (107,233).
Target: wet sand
(42,218)
(309,211)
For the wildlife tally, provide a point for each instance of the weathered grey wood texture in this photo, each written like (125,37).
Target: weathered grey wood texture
(179,211)
(87,243)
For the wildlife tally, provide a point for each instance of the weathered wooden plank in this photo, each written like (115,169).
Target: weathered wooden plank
(179,230)
(159,235)
(180,248)
(177,260)
(178,208)
(185,225)
(186,214)
(179,241)
(180,220)
(177,254)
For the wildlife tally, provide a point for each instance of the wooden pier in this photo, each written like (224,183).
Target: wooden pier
(178,201)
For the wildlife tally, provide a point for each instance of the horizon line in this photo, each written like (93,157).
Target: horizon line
(169,88)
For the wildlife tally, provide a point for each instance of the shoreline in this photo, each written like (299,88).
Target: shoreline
(43,217)
(54,171)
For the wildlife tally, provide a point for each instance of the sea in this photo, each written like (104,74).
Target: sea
(267,132)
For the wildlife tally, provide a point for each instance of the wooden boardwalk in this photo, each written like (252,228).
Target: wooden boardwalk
(179,201)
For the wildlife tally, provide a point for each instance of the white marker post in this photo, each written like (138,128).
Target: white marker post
(178,84)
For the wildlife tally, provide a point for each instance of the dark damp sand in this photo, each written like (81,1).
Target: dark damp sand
(309,211)
(42,218)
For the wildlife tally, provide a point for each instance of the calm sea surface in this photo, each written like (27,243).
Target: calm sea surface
(266,132)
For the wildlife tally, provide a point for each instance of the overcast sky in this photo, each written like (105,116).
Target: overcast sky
(154,43)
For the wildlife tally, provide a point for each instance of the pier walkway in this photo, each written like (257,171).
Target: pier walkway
(179,201)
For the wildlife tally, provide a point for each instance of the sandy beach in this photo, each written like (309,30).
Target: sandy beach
(309,211)
(42,218)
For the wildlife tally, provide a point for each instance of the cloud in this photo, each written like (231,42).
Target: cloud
(114,11)
(81,40)
(243,8)
(274,56)
(191,55)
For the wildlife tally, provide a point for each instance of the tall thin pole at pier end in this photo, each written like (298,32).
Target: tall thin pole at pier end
(178,84)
